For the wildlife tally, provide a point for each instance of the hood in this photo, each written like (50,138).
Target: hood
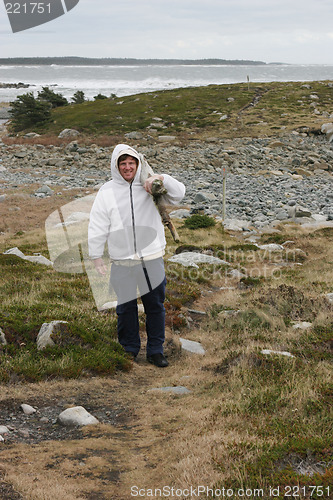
(119,150)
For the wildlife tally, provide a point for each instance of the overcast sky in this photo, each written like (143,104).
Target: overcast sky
(291,31)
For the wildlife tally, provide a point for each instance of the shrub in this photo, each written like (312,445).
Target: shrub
(27,111)
(78,97)
(198,221)
(56,100)
(99,97)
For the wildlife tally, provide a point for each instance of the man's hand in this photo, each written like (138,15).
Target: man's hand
(149,182)
(100,266)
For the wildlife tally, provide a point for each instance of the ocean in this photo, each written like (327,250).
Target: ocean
(129,80)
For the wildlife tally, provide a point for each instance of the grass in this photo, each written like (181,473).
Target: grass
(252,420)
(186,112)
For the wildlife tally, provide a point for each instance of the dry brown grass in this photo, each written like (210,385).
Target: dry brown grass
(209,435)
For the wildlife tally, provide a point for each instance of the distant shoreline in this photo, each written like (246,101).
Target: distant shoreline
(105,61)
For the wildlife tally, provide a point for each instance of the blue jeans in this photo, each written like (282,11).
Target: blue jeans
(128,279)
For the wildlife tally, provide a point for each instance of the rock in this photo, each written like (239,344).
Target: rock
(4,430)
(235,273)
(196,311)
(27,409)
(68,132)
(329,297)
(37,259)
(298,211)
(45,190)
(76,417)
(20,154)
(31,135)
(191,259)
(279,353)
(327,128)
(236,224)
(302,325)
(271,247)
(3,340)
(303,172)
(276,144)
(179,389)
(182,213)
(192,346)
(167,138)
(44,337)
(134,135)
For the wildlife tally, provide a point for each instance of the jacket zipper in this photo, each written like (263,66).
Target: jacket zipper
(133,219)
(145,272)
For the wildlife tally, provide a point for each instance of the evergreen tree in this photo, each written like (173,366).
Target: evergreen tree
(48,95)
(78,97)
(99,97)
(27,111)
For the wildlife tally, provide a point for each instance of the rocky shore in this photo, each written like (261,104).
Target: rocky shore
(267,179)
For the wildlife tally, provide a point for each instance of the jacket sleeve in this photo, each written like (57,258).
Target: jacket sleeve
(99,227)
(176,190)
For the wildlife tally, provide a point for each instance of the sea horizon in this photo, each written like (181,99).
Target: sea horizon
(131,79)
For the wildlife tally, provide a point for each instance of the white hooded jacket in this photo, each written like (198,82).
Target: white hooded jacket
(125,216)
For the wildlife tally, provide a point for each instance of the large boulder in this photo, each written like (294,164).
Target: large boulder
(44,337)
(68,132)
(327,128)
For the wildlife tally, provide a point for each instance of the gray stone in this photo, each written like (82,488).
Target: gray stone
(191,259)
(45,190)
(271,247)
(44,337)
(192,346)
(68,132)
(167,138)
(4,430)
(3,340)
(134,135)
(298,211)
(27,409)
(270,352)
(302,325)
(236,224)
(179,389)
(76,417)
(37,259)
(329,297)
(182,213)
(327,128)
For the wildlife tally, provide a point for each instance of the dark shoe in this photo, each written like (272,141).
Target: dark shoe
(158,360)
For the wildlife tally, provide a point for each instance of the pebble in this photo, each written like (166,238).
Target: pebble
(262,182)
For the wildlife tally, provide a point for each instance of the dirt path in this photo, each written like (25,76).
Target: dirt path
(140,443)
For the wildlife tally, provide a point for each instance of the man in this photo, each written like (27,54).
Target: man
(125,216)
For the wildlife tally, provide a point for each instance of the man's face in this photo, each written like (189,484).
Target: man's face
(128,168)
